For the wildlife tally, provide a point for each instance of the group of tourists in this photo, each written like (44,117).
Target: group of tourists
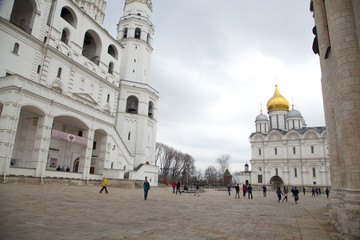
(317,192)
(294,191)
(146,186)
(246,189)
(177,188)
(62,169)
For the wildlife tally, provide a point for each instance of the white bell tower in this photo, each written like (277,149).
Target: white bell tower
(137,107)
(135,33)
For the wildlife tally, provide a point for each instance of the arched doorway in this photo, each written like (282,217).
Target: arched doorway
(276,182)
(68,142)
(30,122)
(76,165)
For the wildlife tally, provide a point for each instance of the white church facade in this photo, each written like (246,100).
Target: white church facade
(73,96)
(284,151)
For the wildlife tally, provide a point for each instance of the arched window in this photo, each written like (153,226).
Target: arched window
(108,98)
(137,33)
(65,36)
(111,68)
(150,109)
(132,104)
(59,72)
(314,172)
(276,152)
(112,51)
(69,15)
(295,172)
(125,33)
(23,14)
(92,46)
(16,49)
(276,172)
(148,38)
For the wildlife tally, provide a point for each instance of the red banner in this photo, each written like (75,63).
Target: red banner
(63,136)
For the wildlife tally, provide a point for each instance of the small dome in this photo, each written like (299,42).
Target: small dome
(261,117)
(277,102)
(294,113)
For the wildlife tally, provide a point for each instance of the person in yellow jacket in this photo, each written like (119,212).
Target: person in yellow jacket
(104,185)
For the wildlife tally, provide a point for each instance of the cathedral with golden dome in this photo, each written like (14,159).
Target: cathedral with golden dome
(285,151)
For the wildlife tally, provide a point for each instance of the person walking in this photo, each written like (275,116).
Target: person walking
(104,185)
(264,190)
(229,189)
(197,190)
(313,192)
(146,186)
(237,188)
(279,193)
(304,190)
(327,191)
(296,195)
(249,189)
(167,185)
(244,190)
(178,188)
(285,194)
(174,186)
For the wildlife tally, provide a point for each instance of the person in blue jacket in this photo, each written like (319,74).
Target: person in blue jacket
(146,188)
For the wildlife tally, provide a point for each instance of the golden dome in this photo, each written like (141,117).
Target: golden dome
(277,102)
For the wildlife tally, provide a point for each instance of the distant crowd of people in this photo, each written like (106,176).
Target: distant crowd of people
(282,195)
(62,168)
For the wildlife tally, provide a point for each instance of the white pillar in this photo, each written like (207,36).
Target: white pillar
(85,158)
(41,144)
(8,128)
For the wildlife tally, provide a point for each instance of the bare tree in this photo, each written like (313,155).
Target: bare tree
(223,162)
(165,156)
(173,164)
(211,175)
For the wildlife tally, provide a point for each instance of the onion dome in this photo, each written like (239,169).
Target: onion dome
(294,113)
(261,117)
(277,102)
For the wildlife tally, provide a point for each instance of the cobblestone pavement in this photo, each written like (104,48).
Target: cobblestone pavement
(80,212)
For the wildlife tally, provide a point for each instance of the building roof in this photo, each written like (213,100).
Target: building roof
(300,131)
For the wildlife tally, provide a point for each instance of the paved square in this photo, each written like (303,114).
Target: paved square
(80,212)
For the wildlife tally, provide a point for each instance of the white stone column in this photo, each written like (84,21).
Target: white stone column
(104,155)
(85,156)
(41,144)
(338,32)
(8,128)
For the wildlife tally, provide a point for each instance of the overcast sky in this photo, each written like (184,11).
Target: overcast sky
(216,62)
